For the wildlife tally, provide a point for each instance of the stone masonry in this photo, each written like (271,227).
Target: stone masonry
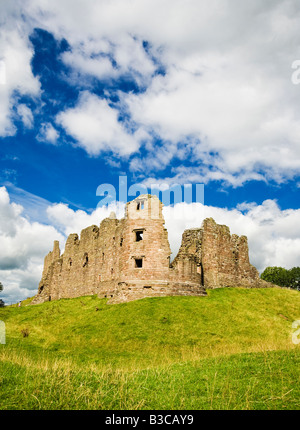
(129,259)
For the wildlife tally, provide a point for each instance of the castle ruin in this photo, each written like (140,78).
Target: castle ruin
(129,259)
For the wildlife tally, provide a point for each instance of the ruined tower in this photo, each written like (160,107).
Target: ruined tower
(145,253)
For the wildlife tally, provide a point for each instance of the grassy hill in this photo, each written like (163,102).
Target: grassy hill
(230,350)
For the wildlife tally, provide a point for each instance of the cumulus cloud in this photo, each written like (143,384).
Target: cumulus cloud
(225,98)
(243,122)
(96,128)
(227,83)
(21,283)
(26,115)
(17,77)
(48,133)
(107,61)
(69,221)
(24,245)
(100,67)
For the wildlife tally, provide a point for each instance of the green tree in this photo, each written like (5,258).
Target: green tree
(1,301)
(277,275)
(295,278)
(282,277)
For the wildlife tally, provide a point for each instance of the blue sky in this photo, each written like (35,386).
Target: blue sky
(157,91)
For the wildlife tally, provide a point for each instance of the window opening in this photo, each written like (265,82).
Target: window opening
(139,235)
(138,262)
(85,260)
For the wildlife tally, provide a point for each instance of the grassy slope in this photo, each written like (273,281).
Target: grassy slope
(231,349)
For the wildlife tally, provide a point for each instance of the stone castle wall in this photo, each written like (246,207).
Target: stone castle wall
(129,259)
(222,258)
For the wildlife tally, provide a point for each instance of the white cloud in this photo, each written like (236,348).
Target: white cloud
(24,245)
(244,122)
(131,57)
(20,238)
(48,133)
(20,283)
(26,115)
(226,89)
(96,59)
(69,221)
(227,84)
(95,127)
(100,67)
(16,54)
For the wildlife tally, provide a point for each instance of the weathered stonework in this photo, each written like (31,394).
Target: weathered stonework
(222,258)
(129,259)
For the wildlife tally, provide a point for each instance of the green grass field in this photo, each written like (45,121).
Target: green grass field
(230,350)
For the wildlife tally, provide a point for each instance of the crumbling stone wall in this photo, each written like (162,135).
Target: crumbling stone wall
(129,259)
(222,259)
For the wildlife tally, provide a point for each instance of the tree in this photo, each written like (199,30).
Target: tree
(295,278)
(282,277)
(1,301)
(276,275)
